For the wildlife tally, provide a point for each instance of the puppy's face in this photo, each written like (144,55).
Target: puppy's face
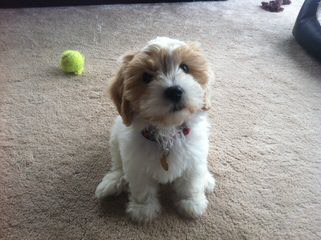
(165,83)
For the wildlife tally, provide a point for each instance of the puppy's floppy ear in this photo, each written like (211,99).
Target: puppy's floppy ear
(207,99)
(207,90)
(196,47)
(117,90)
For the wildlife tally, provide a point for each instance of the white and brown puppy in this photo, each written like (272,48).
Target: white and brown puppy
(161,135)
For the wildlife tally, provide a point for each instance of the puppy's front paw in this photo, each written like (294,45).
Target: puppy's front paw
(112,184)
(210,184)
(193,207)
(143,212)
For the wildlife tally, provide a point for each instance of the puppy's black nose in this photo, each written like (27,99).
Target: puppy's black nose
(174,93)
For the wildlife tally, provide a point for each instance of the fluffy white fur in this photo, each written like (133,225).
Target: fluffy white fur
(136,161)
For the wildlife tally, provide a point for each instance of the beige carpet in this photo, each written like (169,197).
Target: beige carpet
(265,143)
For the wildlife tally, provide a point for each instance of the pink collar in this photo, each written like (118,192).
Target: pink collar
(151,133)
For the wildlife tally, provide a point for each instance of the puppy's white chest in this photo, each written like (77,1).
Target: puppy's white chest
(166,142)
(143,156)
(177,160)
(183,155)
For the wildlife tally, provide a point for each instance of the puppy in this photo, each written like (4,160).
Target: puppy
(161,136)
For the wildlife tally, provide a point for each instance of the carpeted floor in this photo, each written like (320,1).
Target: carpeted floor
(266,117)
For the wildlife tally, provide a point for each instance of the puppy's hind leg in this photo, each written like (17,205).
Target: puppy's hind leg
(113,182)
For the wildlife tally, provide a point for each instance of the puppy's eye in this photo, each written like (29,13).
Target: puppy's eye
(184,67)
(147,78)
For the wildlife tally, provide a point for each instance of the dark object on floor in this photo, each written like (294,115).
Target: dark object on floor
(50,3)
(307,29)
(275,6)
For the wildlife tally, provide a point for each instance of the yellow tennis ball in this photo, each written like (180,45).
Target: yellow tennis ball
(72,62)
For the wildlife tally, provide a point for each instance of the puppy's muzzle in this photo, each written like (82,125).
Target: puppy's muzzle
(175,94)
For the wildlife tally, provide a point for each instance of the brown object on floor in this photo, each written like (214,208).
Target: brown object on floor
(275,6)
(265,141)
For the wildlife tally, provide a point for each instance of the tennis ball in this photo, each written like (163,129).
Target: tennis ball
(72,62)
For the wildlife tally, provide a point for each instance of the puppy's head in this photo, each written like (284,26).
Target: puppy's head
(164,83)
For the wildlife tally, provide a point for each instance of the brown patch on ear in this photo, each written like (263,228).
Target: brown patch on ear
(127,57)
(116,91)
(193,56)
(207,99)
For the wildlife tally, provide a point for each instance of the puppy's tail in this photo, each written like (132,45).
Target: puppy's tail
(113,183)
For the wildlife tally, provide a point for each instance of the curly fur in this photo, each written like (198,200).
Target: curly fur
(135,160)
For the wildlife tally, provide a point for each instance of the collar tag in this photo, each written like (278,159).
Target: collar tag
(165,143)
